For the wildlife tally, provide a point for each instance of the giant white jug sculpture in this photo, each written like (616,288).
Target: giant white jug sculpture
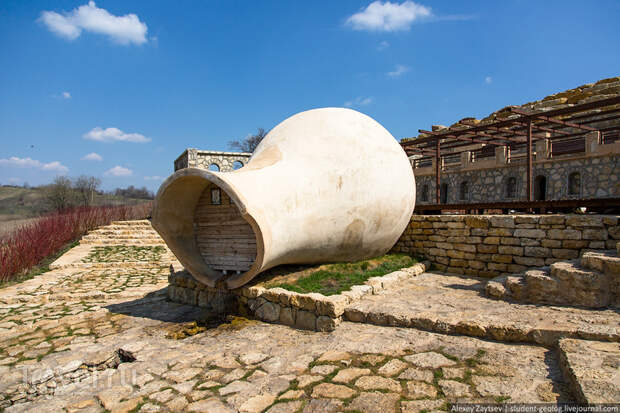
(324,185)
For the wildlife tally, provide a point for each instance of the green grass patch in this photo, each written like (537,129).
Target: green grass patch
(335,278)
(475,360)
(438,374)
(124,253)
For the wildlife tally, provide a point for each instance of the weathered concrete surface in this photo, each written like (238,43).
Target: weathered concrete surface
(299,177)
(457,305)
(592,369)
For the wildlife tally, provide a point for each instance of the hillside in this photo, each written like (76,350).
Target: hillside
(18,205)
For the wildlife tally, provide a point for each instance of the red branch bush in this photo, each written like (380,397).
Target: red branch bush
(27,246)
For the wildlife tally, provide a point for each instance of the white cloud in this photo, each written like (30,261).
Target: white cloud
(388,16)
(399,71)
(383,45)
(20,162)
(54,166)
(92,157)
(14,180)
(153,178)
(119,171)
(15,162)
(124,30)
(488,80)
(358,102)
(62,96)
(114,135)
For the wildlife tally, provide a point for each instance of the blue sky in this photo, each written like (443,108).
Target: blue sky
(118,89)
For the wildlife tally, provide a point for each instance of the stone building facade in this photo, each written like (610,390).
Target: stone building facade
(593,174)
(482,173)
(212,160)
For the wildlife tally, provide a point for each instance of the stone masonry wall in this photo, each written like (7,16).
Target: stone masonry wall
(492,245)
(225,161)
(311,311)
(600,178)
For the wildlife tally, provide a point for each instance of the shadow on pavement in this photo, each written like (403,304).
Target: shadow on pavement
(155,306)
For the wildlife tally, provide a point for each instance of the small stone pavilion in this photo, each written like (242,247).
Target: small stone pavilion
(212,160)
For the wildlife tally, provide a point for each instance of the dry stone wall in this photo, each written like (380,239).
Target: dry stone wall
(311,311)
(492,245)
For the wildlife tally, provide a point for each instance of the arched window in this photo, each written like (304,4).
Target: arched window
(425,193)
(443,193)
(511,187)
(464,191)
(214,167)
(237,165)
(574,183)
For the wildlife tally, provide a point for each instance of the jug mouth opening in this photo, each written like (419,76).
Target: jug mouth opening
(205,223)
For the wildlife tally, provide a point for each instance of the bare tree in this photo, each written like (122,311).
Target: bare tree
(86,186)
(250,142)
(133,192)
(60,194)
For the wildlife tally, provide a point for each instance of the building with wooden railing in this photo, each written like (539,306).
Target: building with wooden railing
(559,153)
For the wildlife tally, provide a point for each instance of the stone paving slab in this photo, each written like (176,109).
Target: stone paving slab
(457,305)
(73,284)
(79,257)
(592,369)
(122,349)
(101,339)
(250,366)
(72,257)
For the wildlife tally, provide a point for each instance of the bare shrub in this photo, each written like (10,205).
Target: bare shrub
(29,245)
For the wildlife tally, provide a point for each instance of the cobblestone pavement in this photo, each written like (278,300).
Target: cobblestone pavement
(124,253)
(117,359)
(107,339)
